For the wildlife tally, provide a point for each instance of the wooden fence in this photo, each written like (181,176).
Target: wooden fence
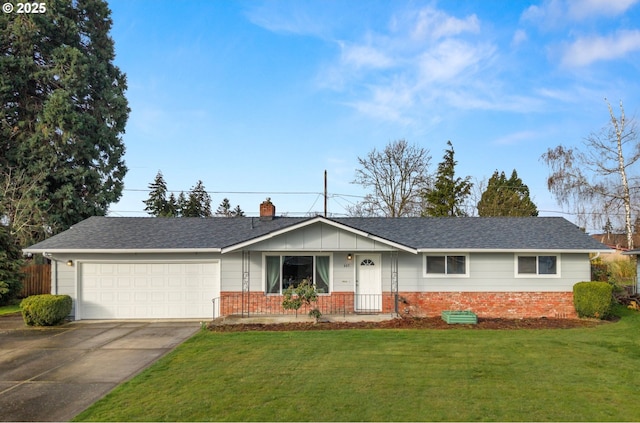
(37,280)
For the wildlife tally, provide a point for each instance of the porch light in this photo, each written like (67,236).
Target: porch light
(349,256)
(69,262)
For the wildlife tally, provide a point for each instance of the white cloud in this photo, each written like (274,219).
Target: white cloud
(556,13)
(389,103)
(516,138)
(549,14)
(287,17)
(586,50)
(361,56)
(400,73)
(450,58)
(583,9)
(435,24)
(519,37)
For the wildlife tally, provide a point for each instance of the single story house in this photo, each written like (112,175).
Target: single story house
(148,267)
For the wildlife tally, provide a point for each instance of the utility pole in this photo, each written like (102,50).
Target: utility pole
(325,193)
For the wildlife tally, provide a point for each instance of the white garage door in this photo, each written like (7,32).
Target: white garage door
(143,290)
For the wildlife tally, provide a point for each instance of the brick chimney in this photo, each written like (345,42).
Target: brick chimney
(267,210)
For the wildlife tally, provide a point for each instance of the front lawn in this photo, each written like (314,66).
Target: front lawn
(9,309)
(587,374)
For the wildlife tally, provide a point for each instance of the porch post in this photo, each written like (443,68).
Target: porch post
(246,266)
(394,279)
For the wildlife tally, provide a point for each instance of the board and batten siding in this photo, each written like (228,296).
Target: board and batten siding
(319,237)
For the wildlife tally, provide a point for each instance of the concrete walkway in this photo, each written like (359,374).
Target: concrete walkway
(52,374)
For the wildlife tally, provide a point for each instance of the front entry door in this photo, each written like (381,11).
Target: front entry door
(368,283)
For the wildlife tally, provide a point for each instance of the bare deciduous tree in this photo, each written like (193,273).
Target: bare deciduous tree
(19,210)
(397,178)
(597,182)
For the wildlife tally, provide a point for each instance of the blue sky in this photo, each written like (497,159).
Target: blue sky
(257,98)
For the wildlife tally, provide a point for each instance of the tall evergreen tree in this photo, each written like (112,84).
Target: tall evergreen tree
(506,197)
(10,264)
(181,204)
(237,212)
(157,204)
(63,109)
(224,209)
(198,202)
(446,197)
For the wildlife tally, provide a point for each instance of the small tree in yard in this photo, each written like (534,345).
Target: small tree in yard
(303,294)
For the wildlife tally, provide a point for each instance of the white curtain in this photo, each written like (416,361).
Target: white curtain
(322,273)
(273,274)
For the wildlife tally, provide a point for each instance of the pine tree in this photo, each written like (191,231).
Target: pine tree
(10,264)
(446,197)
(198,202)
(172,206)
(506,197)
(63,108)
(181,204)
(157,203)
(237,212)
(224,209)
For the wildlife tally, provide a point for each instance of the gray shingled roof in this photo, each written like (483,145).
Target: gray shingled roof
(149,233)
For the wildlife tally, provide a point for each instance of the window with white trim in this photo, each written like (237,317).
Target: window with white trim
(285,271)
(446,265)
(532,265)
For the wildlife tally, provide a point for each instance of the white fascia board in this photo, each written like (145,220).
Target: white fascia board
(120,251)
(511,250)
(312,221)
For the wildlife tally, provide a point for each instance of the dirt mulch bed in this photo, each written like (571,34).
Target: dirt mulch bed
(413,323)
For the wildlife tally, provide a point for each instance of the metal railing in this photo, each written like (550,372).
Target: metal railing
(342,303)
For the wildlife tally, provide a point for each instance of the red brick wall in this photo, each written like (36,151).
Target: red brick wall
(430,304)
(490,304)
(259,303)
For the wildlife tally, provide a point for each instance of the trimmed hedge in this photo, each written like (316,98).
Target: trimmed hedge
(592,299)
(46,309)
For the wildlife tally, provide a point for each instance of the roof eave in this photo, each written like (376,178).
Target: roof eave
(118,250)
(515,250)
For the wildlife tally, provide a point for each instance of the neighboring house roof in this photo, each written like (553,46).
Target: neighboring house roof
(617,241)
(151,234)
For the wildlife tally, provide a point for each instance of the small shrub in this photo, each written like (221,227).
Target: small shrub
(592,299)
(303,294)
(45,310)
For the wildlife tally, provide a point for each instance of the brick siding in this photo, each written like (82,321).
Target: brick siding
(513,305)
(490,304)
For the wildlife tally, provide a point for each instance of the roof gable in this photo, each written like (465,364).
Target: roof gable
(314,221)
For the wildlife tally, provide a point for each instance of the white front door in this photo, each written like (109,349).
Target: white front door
(368,283)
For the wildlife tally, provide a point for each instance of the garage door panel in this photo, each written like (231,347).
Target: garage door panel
(148,290)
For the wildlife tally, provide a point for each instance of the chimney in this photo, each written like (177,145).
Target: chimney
(267,210)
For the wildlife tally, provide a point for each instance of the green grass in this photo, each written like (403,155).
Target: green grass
(10,309)
(588,374)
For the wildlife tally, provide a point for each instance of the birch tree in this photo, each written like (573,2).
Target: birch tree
(597,182)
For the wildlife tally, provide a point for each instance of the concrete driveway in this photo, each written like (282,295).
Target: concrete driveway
(52,374)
